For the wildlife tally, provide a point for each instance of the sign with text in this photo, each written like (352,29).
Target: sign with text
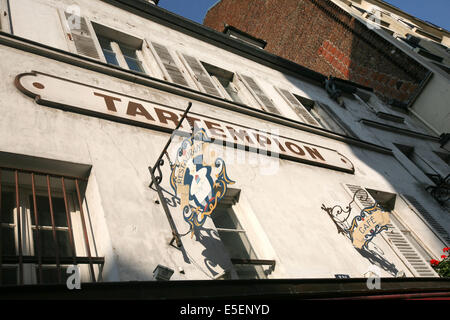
(77,97)
(370,222)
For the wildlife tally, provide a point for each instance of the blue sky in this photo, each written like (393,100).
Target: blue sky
(434,11)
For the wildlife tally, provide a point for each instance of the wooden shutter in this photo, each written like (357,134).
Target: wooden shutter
(399,243)
(259,95)
(201,75)
(82,37)
(432,223)
(168,63)
(298,108)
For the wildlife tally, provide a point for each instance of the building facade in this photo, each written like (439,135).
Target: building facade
(404,59)
(267,162)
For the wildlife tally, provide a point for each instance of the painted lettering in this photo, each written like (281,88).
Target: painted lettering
(135,108)
(262,140)
(192,121)
(279,144)
(109,100)
(314,153)
(241,134)
(164,115)
(294,148)
(215,129)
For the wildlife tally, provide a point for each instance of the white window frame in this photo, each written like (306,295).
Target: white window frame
(256,236)
(234,86)
(115,46)
(192,75)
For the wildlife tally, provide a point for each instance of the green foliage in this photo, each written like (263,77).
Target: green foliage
(442,267)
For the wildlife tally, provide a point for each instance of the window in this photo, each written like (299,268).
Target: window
(43,229)
(301,106)
(328,119)
(167,64)
(258,94)
(224,80)
(423,165)
(444,156)
(120,54)
(121,49)
(131,58)
(80,35)
(237,228)
(236,242)
(108,52)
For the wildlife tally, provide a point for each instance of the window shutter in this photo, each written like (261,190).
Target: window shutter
(169,64)
(432,223)
(259,95)
(399,243)
(298,108)
(201,75)
(82,37)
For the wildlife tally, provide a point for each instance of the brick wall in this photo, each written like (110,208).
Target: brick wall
(321,36)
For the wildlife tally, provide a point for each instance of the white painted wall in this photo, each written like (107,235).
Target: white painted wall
(282,211)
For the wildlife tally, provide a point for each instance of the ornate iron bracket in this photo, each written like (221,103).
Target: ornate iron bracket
(342,224)
(333,92)
(363,227)
(441,190)
(157,177)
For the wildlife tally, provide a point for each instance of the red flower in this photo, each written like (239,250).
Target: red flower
(443,256)
(434,262)
(446,249)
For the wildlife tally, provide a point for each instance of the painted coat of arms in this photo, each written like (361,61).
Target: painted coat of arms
(198,178)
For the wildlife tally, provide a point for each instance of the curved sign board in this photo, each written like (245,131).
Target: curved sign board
(370,222)
(77,97)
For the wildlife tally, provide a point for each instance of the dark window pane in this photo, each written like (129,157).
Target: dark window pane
(50,275)
(225,218)
(249,271)
(47,244)
(110,57)
(105,43)
(134,64)
(128,52)
(237,245)
(43,209)
(9,276)
(8,204)
(227,85)
(8,244)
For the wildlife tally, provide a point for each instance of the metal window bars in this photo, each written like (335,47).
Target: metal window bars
(21,179)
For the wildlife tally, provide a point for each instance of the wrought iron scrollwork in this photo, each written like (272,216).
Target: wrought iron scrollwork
(363,227)
(342,224)
(158,173)
(157,176)
(441,190)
